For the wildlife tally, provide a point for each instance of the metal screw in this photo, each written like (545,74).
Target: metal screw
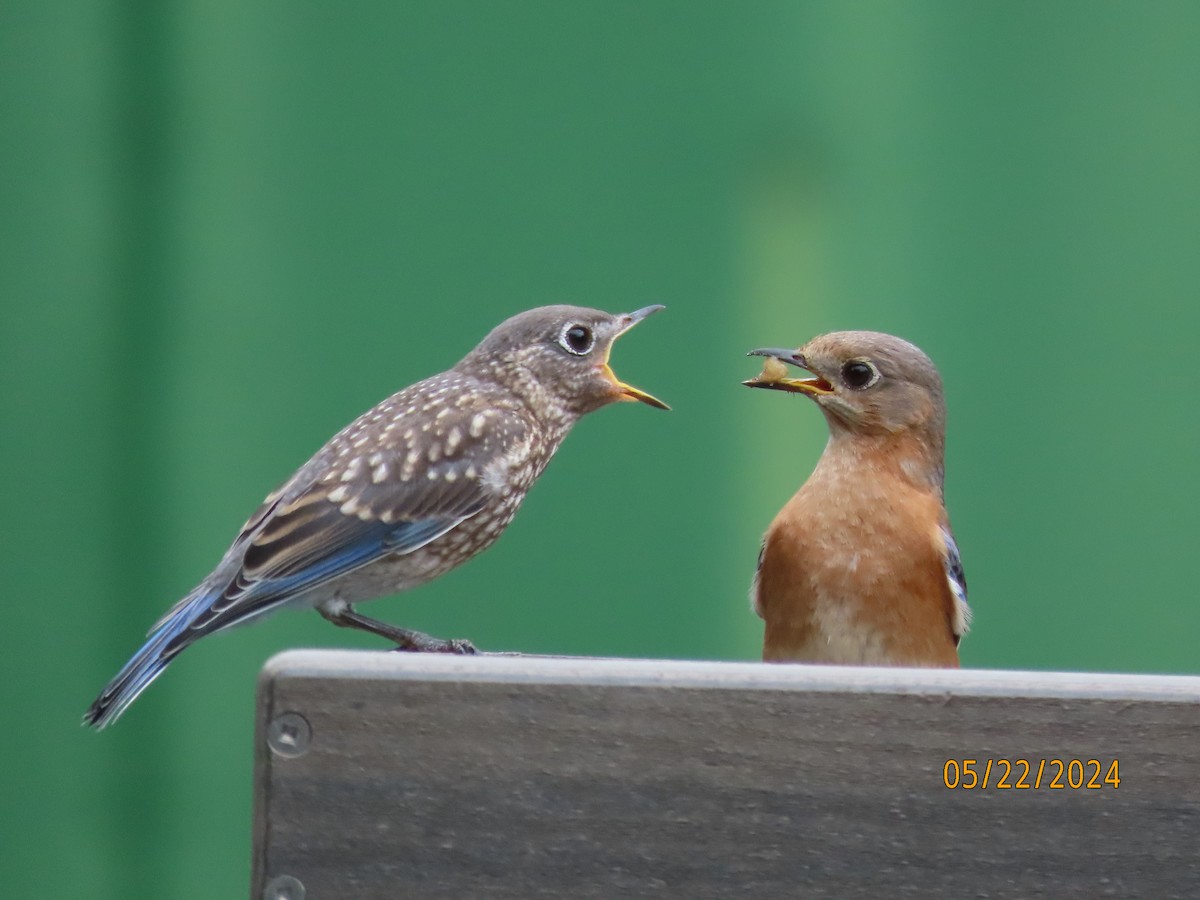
(290,735)
(284,887)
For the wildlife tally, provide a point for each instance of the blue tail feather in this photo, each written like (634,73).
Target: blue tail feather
(145,665)
(224,599)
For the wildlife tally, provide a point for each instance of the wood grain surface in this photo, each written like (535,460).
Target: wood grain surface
(522,777)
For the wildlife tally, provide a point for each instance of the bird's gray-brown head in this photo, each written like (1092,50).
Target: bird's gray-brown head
(556,359)
(865,382)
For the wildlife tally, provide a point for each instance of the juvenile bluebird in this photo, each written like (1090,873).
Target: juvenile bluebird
(407,491)
(860,567)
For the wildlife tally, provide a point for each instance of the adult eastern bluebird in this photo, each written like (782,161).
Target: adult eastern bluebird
(860,567)
(407,491)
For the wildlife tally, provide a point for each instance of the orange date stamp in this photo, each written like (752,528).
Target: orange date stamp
(1031,774)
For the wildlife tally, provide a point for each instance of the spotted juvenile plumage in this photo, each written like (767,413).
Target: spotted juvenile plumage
(412,488)
(860,566)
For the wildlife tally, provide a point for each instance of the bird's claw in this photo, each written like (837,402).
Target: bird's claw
(423,643)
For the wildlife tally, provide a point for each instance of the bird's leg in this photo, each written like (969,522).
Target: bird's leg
(412,641)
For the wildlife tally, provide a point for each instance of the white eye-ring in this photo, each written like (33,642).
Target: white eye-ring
(859,374)
(577,340)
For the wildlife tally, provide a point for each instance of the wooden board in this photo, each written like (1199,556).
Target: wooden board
(401,775)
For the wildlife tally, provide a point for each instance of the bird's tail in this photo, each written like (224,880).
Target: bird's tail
(147,664)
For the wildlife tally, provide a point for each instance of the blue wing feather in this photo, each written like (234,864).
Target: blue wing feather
(956,577)
(346,508)
(371,541)
(214,607)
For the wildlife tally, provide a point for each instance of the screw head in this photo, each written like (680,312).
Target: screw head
(284,887)
(289,735)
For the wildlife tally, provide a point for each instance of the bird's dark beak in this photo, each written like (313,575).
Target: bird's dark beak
(628,391)
(628,320)
(775,369)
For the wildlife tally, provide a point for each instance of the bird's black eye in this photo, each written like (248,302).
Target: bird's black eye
(859,374)
(577,339)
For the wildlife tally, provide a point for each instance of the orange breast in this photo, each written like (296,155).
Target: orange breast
(855,577)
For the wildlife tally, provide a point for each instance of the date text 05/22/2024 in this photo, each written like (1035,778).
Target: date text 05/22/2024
(1026,774)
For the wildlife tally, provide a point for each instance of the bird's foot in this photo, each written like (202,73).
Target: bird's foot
(416,642)
(406,640)
(458,646)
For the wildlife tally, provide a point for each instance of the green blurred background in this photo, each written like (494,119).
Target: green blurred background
(226,228)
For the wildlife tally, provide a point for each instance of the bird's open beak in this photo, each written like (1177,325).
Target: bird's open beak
(628,391)
(774,372)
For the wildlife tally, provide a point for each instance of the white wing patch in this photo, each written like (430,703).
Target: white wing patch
(958,586)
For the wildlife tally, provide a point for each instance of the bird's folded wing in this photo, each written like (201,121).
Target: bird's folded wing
(332,519)
(956,581)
